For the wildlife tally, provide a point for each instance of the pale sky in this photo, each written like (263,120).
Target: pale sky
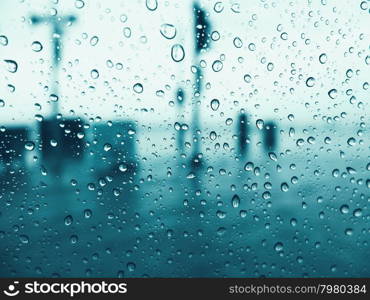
(338,29)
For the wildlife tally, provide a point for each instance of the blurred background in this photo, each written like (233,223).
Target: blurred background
(154,138)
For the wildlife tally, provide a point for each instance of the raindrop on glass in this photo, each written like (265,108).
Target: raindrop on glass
(168,31)
(177,52)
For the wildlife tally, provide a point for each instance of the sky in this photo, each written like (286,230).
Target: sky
(265,73)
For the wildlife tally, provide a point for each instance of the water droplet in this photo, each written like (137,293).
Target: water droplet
(36,46)
(323,58)
(344,209)
(218,7)
(29,146)
(284,36)
(348,231)
(68,220)
(235,201)
(357,212)
(177,53)
(284,187)
(79,4)
(53,98)
(247,78)
(151,4)
(94,74)
(94,40)
(123,167)
(310,82)
(24,239)
(260,123)
(131,266)
(3,40)
(351,141)
(217,65)
(53,143)
(138,88)
(107,147)
(333,93)
(168,31)
(215,104)
(213,135)
(87,213)
(279,247)
(11,65)
(273,156)
(73,239)
(270,66)
(238,42)
(252,47)
(364,5)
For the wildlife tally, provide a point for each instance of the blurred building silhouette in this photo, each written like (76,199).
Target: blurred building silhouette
(61,141)
(113,149)
(12,148)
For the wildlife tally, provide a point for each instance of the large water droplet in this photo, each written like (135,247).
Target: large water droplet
(94,40)
(3,40)
(11,65)
(168,31)
(323,58)
(238,42)
(215,104)
(333,93)
(138,88)
(217,65)
(310,82)
(235,201)
(279,247)
(94,74)
(177,53)
(36,46)
(79,4)
(260,123)
(29,146)
(151,4)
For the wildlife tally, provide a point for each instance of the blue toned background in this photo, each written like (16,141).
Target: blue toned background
(184,138)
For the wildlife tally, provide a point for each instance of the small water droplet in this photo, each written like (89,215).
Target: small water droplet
(87,213)
(3,40)
(94,74)
(68,220)
(107,147)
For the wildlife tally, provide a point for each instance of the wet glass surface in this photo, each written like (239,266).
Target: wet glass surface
(184,139)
